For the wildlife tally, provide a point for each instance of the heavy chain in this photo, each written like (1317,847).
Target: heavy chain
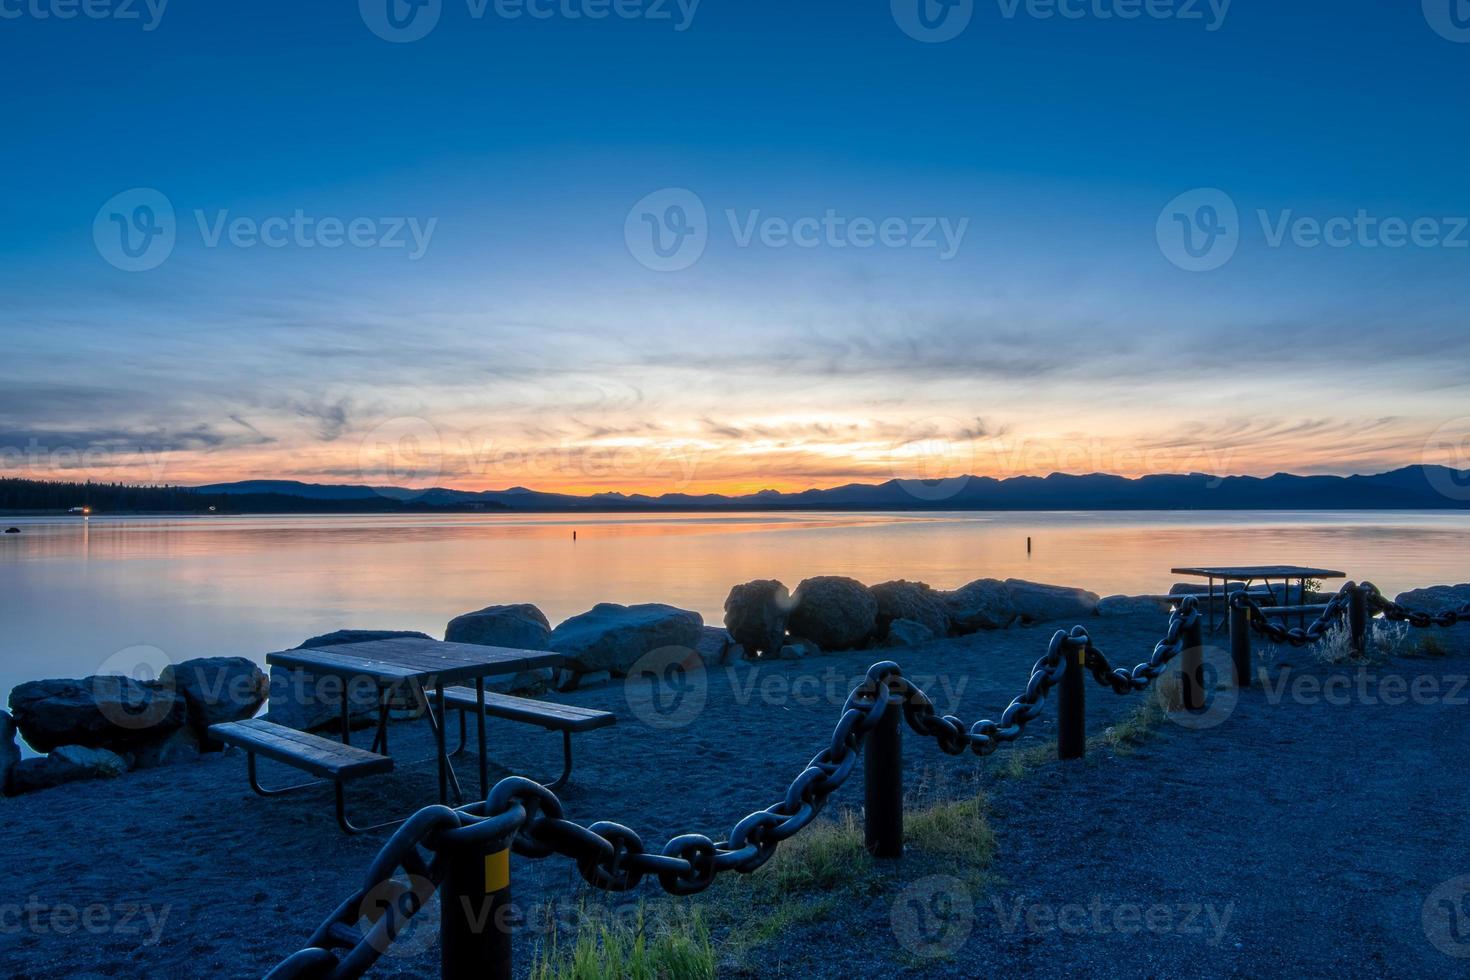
(1418,618)
(1125,681)
(1336,608)
(985,736)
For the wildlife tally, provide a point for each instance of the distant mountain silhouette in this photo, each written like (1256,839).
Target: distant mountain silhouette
(1410,488)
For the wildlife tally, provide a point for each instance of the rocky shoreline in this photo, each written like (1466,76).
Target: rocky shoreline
(105,726)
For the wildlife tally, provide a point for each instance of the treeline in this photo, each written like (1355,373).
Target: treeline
(119,498)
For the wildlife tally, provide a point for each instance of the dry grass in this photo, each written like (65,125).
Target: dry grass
(679,950)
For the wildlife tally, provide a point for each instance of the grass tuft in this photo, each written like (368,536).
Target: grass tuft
(680,950)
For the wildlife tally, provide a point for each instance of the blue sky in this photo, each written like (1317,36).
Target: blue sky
(522,337)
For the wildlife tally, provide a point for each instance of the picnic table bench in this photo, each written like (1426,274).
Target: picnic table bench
(1247,574)
(415,665)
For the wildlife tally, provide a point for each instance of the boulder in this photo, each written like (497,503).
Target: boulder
(798,649)
(12,530)
(66,764)
(1436,598)
(714,646)
(300,699)
(908,633)
(755,615)
(217,689)
(184,745)
(913,601)
(984,604)
(837,613)
(611,637)
(1038,603)
(1131,605)
(516,627)
(9,750)
(108,711)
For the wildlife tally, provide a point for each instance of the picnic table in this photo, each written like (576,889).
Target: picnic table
(1249,574)
(416,664)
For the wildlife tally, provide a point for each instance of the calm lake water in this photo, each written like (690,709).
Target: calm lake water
(78,596)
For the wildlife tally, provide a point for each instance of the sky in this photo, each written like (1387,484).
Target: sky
(729,245)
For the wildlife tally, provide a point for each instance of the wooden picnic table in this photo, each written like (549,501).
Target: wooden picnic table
(417,664)
(1250,573)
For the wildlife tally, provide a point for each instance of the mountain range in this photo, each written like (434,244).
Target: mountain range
(1409,488)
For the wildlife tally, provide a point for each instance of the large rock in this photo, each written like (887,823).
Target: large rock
(837,613)
(913,601)
(908,633)
(1131,605)
(184,745)
(612,637)
(521,626)
(217,689)
(984,604)
(300,699)
(714,646)
(755,615)
(1436,598)
(517,627)
(66,764)
(108,711)
(9,751)
(1038,603)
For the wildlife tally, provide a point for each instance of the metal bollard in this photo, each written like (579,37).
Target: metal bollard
(1358,619)
(1072,706)
(474,915)
(1191,666)
(1240,644)
(883,784)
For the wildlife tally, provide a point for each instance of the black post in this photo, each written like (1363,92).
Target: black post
(1358,619)
(1192,667)
(883,784)
(1240,644)
(474,915)
(1072,706)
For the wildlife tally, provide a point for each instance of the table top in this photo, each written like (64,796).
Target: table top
(1259,571)
(413,659)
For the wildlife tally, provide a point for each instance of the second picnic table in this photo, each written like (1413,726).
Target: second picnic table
(417,664)
(1250,573)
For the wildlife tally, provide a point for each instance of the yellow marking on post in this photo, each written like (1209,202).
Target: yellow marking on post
(497,871)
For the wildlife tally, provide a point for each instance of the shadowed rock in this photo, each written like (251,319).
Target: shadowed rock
(755,615)
(837,613)
(521,626)
(1131,605)
(9,750)
(1039,603)
(66,764)
(908,633)
(913,601)
(217,689)
(611,637)
(96,712)
(984,604)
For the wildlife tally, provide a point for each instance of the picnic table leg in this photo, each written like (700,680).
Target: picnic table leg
(346,714)
(438,719)
(380,740)
(480,715)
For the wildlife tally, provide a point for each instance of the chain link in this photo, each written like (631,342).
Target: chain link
(1337,607)
(1418,618)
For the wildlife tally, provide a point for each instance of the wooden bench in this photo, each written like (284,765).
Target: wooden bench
(564,718)
(329,760)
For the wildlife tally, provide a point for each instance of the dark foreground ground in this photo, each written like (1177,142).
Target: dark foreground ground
(1295,832)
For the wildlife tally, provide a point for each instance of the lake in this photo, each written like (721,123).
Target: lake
(80,596)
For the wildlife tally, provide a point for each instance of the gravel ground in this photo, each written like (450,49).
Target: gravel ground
(1295,835)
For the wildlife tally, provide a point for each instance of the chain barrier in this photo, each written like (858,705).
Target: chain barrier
(1417,618)
(1337,607)
(613,857)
